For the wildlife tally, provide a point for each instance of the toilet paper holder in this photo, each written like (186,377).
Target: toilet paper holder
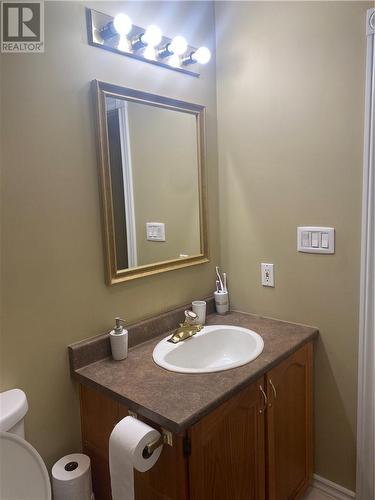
(165,438)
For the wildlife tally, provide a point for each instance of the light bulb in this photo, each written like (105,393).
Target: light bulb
(152,36)
(178,45)
(202,55)
(122,24)
(149,53)
(174,61)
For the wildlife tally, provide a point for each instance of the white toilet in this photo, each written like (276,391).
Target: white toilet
(23,474)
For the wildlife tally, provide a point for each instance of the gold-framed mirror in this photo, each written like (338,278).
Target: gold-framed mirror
(152,178)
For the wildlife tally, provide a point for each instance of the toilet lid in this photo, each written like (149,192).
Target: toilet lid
(23,475)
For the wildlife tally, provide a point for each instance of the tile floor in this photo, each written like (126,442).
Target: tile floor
(314,494)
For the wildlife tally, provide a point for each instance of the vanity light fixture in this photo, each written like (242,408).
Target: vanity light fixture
(178,46)
(150,38)
(118,34)
(200,56)
(120,25)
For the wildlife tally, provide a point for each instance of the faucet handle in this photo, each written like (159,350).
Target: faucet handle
(190,316)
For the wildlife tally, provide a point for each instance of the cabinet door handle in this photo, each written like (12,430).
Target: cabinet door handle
(265,399)
(273,389)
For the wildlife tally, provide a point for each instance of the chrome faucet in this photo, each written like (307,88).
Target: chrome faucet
(187,329)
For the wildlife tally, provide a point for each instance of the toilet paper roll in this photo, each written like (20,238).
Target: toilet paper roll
(126,444)
(71,478)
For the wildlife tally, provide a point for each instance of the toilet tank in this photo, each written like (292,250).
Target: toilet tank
(13,408)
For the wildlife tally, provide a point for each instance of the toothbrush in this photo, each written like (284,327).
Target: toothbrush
(219,279)
(217,286)
(225,290)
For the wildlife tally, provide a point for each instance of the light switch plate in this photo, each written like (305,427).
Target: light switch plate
(267,274)
(311,239)
(155,231)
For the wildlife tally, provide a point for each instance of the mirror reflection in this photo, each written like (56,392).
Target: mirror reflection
(154,168)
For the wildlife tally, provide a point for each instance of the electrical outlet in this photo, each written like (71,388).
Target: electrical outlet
(267,274)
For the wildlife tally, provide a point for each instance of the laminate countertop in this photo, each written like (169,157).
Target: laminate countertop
(176,401)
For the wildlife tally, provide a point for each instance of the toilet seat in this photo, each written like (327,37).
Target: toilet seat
(23,475)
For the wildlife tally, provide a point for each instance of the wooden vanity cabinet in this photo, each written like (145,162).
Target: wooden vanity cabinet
(289,426)
(255,446)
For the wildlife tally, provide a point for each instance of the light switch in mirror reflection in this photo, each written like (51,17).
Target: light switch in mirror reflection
(151,169)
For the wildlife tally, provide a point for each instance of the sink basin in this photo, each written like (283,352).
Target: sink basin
(213,349)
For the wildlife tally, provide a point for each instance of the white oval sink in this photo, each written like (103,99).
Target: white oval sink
(213,349)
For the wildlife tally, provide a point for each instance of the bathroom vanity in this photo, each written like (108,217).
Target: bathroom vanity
(244,433)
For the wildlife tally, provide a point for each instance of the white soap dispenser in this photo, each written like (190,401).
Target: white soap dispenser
(119,340)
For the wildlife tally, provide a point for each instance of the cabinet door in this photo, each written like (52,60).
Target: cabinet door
(99,414)
(227,459)
(289,426)
(167,480)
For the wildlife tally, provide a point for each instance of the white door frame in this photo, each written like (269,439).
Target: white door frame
(127,172)
(366,360)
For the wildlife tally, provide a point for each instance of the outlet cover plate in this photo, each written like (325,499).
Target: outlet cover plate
(267,276)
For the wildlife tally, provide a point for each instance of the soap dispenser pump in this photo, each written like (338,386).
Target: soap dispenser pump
(119,340)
